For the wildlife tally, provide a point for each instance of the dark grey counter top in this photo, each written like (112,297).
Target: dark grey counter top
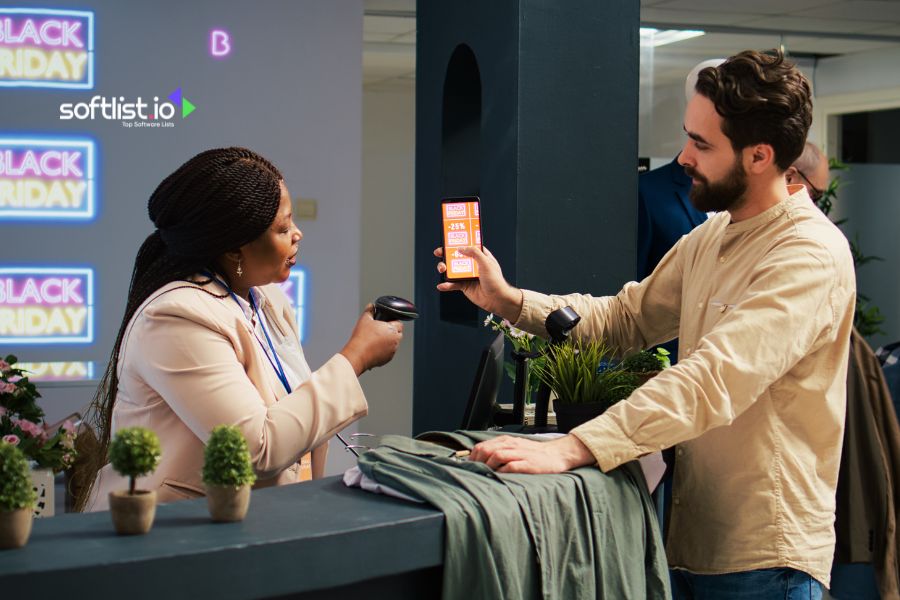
(296,539)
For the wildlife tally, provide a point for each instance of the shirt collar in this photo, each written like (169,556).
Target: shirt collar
(259,298)
(245,306)
(798,194)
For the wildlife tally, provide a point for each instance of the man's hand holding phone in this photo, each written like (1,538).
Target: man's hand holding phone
(490,291)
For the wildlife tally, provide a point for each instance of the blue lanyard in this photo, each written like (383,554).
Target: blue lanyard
(279,370)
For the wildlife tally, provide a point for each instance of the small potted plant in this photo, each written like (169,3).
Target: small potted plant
(133,452)
(17,497)
(228,474)
(646,364)
(587,380)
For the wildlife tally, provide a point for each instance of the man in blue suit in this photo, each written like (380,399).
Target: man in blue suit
(665,213)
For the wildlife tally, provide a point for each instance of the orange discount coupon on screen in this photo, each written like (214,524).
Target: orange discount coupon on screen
(462,227)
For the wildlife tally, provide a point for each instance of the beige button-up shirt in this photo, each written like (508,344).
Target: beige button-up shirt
(763,309)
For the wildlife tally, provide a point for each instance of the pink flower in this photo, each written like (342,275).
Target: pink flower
(68,426)
(11,439)
(32,429)
(2,411)
(4,366)
(7,388)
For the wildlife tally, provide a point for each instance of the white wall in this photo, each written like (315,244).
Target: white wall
(388,200)
(869,196)
(660,131)
(855,73)
(869,199)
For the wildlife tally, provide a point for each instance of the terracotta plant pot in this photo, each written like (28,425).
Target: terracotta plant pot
(15,527)
(228,503)
(132,514)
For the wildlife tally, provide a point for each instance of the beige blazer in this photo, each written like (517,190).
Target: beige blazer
(190,361)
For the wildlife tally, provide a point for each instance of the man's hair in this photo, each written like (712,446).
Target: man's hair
(762,99)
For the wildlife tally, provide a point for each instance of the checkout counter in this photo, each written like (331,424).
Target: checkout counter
(314,540)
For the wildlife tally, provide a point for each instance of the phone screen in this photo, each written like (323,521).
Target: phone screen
(462,227)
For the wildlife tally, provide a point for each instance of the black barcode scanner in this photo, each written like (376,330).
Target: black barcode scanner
(392,308)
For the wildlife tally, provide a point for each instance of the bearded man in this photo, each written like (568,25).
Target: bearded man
(761,297)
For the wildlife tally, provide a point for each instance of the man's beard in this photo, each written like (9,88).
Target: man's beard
(725,194)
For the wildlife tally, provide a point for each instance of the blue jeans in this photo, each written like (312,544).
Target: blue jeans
(762,584)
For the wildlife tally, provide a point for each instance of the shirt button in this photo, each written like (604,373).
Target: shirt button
(699,305)
(676,501)
(721,259)
(679,452)
(687,350)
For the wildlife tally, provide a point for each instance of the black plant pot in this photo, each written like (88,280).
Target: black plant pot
(569,416)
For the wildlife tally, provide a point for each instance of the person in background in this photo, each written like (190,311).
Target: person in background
(208,337)
(665,212)
(810,170)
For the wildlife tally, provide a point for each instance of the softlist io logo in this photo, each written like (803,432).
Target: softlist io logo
(136,113)
(186,105)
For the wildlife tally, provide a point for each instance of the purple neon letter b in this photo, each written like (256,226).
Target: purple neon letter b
(219,43)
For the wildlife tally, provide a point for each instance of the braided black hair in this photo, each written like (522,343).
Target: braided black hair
(214,203)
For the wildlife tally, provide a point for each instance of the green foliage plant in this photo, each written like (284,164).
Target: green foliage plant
(227,458)
(134,452)
(16,490)
(585,371)
(574,372)
(647,362)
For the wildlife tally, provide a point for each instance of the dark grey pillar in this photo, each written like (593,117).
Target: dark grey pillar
(532,105)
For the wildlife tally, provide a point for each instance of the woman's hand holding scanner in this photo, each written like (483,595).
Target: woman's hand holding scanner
(490,291)
(372,343)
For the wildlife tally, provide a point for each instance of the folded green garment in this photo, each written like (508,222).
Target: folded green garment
(579,534)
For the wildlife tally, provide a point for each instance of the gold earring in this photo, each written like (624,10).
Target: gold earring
(240,271)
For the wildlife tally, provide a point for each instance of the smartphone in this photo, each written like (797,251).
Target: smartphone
(461,219)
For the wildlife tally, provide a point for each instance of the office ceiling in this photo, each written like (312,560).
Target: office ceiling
(810,28)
